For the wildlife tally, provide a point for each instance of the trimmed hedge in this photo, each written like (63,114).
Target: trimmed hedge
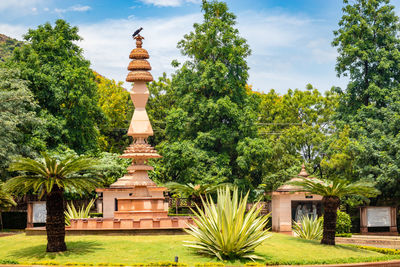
(387,251)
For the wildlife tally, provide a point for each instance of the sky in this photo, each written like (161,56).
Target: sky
(290,39)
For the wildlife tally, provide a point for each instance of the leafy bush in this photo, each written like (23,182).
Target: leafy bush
(344,235)
(225,230)
(8,261)
(343,223)
(309,228)
(73,213)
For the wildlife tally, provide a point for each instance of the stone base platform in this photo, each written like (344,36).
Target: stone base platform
(114,232)
(111,226)
(143,223)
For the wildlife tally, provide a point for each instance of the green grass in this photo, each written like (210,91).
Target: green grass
(278,248)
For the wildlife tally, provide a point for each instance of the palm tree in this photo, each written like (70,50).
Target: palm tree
(195,192)
(6,201)
(331,192)
(50,177)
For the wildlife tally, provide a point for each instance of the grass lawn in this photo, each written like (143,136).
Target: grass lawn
(278,248)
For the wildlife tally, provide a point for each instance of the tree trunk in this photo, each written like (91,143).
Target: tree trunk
(55,221)
(330,205)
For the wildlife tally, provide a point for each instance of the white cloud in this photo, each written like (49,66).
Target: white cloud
(287,51)
(108,44)
(13,31)
(75,8)
(171,3)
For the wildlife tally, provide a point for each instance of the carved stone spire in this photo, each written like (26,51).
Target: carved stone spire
(140,128)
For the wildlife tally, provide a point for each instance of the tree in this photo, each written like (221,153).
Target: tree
(50,177)
(21,130)
(368,46)
(117,107)
(368,112)
(331,192)
(6,202)
(62,83)
(297,124)
(212,112)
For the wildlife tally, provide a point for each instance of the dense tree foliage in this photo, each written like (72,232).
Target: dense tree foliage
(368,46)
(117,107)
(367,118)
(62,83)
(20,128)
(211,124)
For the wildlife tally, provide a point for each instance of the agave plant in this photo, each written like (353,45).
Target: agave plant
(225,230)
(73,213)
(309,228)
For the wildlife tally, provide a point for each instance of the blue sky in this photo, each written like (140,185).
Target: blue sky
(290,39)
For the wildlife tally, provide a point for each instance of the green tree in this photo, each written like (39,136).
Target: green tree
(62,83)
(49,177)
(21,131)
(297,123)
(117,107)
(159,104)
(369,110)
(211,113)
(368,46)
(332,192)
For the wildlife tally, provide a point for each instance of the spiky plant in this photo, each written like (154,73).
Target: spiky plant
(309,228)
(50,177)
(331,192)
(72,213)
(225,229)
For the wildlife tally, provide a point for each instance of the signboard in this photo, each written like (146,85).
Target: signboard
(378,216)
(39,212)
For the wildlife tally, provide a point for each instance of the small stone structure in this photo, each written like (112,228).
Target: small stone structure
(288,204)
(380,218)
(135,201)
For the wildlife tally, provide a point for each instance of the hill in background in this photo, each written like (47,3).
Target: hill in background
(7,46)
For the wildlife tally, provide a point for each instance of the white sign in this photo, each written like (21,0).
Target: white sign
(378,216)
(39,212)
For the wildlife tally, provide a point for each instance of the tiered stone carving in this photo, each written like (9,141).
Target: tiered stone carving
(135,202)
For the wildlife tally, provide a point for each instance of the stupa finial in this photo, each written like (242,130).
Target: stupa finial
(139,42)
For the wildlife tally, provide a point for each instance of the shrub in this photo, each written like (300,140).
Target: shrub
(73,213)
(344,235)
(225,230)
(343,223)
(309,228)
(8,261)
(387,251)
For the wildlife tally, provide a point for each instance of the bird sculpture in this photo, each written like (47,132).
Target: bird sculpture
(137,32)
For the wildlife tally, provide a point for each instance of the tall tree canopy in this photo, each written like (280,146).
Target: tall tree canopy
(62,83)
(212,122)
(368,46)
(116,104)
(369,109)
(20,128)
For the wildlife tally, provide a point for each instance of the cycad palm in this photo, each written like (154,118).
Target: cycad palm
(331,192)
(196,192)
(51,177)
(6,201)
